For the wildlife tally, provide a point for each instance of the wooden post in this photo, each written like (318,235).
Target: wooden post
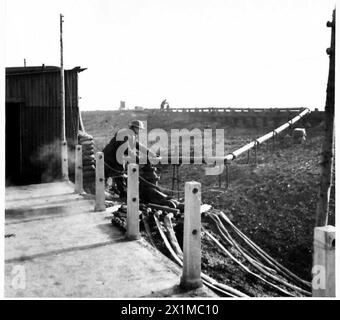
(255,148)
(227,176)
(323,272)
(327,155)
(100,182)
(64,155)
(79,170)
(173,179)
(191,276)
(132,228)
(177,178)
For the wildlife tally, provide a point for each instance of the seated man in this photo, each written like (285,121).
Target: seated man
(115,166)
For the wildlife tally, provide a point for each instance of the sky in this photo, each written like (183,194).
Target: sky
(194,53)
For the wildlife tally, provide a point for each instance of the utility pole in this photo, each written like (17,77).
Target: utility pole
(64,155)
(327,156)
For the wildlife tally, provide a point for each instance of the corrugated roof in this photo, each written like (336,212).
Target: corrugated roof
(37,69)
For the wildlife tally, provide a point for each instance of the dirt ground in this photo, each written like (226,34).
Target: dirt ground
(272,202)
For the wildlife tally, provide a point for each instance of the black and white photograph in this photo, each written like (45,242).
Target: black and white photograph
(167,150)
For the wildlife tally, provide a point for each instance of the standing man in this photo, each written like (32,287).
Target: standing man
(164,104)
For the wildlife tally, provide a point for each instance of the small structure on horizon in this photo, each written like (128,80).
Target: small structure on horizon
(122,105)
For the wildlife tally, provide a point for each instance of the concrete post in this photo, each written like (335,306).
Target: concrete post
(64,163)
(132,228)
(78,187)
(191,276)
(323,272)
(100,183)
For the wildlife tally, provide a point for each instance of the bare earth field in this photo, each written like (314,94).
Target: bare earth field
(273,202)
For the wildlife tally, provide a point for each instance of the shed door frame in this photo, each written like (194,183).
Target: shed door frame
(13,125)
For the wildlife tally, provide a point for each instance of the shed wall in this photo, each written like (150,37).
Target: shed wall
(40,125)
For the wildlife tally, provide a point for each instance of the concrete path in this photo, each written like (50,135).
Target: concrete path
(57,246)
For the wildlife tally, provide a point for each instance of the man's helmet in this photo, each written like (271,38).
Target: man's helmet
(136,124)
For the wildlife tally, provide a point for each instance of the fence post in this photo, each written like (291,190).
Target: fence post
(78,188)
(323,272)
(255,148)
(132,228)
(173,179)
(227,175)
(177,178)
(191,276)
(100,182)
(64,166)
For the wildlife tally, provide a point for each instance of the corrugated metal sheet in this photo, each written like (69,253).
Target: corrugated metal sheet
(40,115)
(42,89)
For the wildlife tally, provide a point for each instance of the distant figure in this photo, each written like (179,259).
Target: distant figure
(165,104)
(122,105)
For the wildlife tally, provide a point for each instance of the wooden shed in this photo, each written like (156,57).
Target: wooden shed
(33,122)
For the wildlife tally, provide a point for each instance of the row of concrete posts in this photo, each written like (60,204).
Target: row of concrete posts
(191,277)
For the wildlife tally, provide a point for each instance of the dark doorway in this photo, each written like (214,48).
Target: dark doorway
(13,143)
